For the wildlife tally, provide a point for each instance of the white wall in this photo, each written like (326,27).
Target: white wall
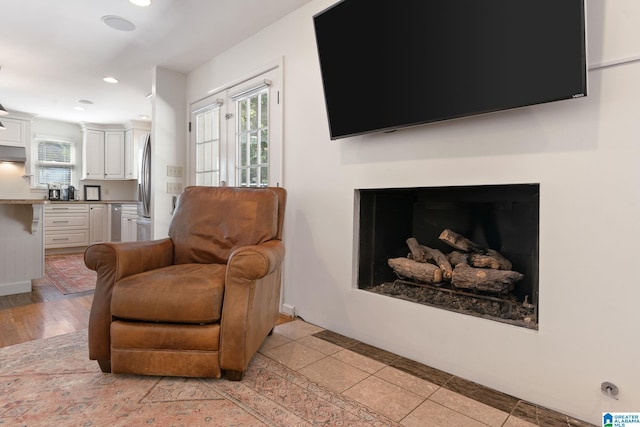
(584,153)
(168,143)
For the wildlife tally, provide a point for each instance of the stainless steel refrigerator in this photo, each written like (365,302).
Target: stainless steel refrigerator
(144,186)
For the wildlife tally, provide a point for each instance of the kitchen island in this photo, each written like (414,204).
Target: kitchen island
(21,244)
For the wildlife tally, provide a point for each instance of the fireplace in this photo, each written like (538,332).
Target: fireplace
(494,218)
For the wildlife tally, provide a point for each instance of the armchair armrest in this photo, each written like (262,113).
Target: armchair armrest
(256,261)
(251,302)
(112,262)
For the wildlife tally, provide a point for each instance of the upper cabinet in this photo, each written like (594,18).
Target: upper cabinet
(134,139)
(17,129)
(92,154)
(112,152)
(114,159)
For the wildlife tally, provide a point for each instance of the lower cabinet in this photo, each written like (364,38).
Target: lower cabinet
(129,223)
(98,223)
(66,225)
(75,225)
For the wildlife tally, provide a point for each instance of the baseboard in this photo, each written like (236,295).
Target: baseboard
(15,288)
(288,309)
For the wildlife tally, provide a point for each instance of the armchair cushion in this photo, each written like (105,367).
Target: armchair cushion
(207,226)
(183,293)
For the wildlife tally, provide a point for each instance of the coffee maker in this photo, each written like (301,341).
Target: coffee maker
(54,192)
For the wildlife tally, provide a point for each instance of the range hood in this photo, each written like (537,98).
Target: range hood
(10,153)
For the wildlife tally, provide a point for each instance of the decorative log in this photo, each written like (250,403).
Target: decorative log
(458,241)
(418,252)
(422,253)
(483,279)
(492,259)
(441,261)
(420,271)
(456,258)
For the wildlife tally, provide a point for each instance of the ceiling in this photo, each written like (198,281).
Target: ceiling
(55,53)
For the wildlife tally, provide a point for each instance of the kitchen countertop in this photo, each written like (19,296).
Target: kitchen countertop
(86,202)
(22,201)
(46,202)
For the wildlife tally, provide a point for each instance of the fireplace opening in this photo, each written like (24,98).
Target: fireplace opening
(487,234)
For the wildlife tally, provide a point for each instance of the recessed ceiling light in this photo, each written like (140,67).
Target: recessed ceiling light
(80,108)
(110,80)
(85,101)
(118,23)
(141,2)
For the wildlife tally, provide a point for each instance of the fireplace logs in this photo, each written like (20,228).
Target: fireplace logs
(420,271)
(423,253)
(476,268)
(484,279)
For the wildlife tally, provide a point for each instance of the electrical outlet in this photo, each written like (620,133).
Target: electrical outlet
(175,171)
(174,188)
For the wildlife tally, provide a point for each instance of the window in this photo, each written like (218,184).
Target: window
(54,162)
(236,134)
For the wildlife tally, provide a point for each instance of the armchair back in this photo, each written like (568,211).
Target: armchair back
(209,223)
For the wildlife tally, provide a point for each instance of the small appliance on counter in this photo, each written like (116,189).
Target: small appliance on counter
(67,193)
(54,192)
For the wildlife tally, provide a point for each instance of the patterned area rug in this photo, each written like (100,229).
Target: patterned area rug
(52,382)
(68,273)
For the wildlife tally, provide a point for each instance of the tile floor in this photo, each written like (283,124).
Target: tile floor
(401,389)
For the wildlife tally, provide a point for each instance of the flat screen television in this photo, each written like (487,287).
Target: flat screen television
(386,65)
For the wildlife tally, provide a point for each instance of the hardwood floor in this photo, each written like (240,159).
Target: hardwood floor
(43,313)
(46,312)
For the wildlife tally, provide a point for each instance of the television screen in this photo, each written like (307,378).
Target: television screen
(388,65)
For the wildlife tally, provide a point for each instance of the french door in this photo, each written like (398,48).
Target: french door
(236,135)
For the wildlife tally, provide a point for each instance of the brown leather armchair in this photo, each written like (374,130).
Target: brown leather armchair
(198,302)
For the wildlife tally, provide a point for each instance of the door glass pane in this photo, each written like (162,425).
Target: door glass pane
(253,150)
(253,112)
(264,146)
(242,115)
(264,110)
(264,177)
(243,150)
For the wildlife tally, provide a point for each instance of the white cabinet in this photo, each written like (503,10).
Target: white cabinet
(98,223)
(93,154)
(103,153)
(129,223)
(15,132)
(66,225)
(134,139)
(114,155)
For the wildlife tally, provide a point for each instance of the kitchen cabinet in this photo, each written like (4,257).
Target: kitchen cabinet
(114,155)
(66,225)
(129,223)
(93,154)
(134,139)
(98,223)
(15,132)
(103,153)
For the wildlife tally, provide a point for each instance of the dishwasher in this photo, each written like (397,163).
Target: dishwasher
(115,216)
(124,222)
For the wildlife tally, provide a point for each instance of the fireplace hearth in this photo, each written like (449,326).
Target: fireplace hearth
(408,248)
